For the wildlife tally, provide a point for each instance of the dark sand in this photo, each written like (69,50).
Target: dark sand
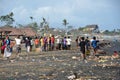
(58,65)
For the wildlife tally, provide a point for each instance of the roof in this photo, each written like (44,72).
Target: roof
(18,31)
(2,29)
(28,31)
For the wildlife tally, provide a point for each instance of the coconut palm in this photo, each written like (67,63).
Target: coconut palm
(65,23)
(33,24)
(44,26)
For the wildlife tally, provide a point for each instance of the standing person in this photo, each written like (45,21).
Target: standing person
(52,42)
(36,42)
(42,43)
(3,46)
(8,43)
(31,44)
(62,43)
(77,41)
(82,47)
(7,53)
(7,50)
(69,43)
(45,43)
(65,43)
(18,45)
(94,44)
(58,43)
(49,43)
(87,41)
(28,44)
(0,43)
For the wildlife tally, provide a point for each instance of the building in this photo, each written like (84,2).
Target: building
(13,32)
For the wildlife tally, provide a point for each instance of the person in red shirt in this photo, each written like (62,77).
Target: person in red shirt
(52,42)
(36,42)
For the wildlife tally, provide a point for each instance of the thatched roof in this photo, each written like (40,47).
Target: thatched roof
(18,31)
(28,31)
(2,29)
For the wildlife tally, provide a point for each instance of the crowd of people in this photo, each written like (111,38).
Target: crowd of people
(45,43)
(52,43)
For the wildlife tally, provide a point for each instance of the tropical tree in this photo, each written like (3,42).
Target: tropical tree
(20,25)
(44,26)
(33,24)
(7,19)
(65,23)
(106,32)
(81,28)
(31,20)
(31,17)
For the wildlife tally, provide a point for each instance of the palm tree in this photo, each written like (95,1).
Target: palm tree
(44,26)
(11,14)
(31,19)
(33,24)
(65,23)
(44,20)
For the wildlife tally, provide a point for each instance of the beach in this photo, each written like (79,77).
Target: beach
(61,64)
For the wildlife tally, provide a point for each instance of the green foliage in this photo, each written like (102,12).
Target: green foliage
(70,28)
(44,25)
(31,17)
(33,25)
(113,32)
(7,19)
(20,25)
(81,28)
(65,22)
(44,20)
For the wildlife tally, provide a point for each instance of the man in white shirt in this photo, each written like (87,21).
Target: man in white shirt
(18,44)
(69,43)
(58,43)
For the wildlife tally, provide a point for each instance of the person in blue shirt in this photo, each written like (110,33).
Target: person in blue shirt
(8,44)
(94,44)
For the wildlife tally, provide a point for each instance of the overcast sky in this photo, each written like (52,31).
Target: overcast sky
(105,13)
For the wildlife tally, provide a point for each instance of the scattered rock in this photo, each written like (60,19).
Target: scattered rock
(71,77)
(74,57)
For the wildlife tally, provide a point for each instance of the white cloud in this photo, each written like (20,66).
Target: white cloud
(76,11)
(20,11)
(21,15)
(42,11)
